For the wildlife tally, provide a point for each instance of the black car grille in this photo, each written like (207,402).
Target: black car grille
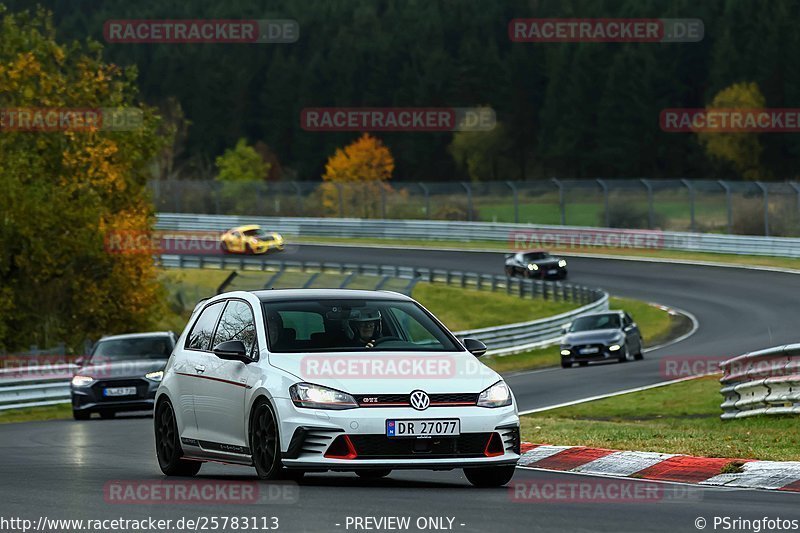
(141,385)
(601,348)
(383,447)
(402,400)
(511,440)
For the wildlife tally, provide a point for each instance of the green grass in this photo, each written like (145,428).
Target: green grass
(462,309)
(731,259)
(49,412)
(679,418)
(655,324)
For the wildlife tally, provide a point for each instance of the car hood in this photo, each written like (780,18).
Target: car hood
(592,337)
(121,369)
(389,372)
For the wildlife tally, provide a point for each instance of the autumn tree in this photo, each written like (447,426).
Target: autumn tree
(356,178)
(63,192)
(741,150)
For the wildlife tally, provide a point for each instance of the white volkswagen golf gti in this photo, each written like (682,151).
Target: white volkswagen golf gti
(312,380)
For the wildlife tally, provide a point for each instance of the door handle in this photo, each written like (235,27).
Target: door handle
(200,368)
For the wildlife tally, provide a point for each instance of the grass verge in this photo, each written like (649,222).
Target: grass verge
(679,418)
(732,259)
(62,411)
(656,325)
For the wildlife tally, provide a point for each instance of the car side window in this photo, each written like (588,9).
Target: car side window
(237,324)
(627,321)
(199,337)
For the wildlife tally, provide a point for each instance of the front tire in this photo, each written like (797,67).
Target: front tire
(264,441)
(566,365)
(626,355)
(81,415)
(490,476)
(168,446)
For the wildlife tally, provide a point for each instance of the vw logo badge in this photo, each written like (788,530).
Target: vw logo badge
(420,400)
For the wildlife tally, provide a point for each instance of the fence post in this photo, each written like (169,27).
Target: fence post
(508,285)
(341,200)
(605,201)
(650,210)
(688,185)
(299,198)
(427,200)
(794,186)
(383,201)
(561,206)
(463,280)
(730,204)
(516,200)
(544,291)
(469,200)
(766,206)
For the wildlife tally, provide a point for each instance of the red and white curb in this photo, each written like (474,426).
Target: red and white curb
(772,475)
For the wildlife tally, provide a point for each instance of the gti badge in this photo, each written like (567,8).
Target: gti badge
(420,400)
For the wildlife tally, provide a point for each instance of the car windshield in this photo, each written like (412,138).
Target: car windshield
(353,325)
(588,323)
(138,348)
(535,256)
(258,232)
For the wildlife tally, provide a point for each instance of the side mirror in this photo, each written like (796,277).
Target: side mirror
(475,347)
(565,328)
(80,361)
(232,351)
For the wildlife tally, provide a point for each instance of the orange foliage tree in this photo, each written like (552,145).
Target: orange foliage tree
(356,178)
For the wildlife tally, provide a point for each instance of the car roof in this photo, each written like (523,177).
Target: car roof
(609,312)
(534,251)
(247,227)
(317,294)
(138,335)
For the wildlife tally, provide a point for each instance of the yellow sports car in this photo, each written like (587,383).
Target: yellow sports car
(250,239)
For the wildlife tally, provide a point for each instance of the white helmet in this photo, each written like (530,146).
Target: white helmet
(359,316)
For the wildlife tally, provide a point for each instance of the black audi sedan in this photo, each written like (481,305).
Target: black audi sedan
(122,373)
(536,264)
(610,336)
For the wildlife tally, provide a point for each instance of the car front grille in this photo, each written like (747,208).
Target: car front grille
(601,348)
(141,386)
(402,400)
(383,447)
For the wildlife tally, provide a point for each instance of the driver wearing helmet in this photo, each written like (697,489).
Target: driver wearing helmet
(363,326)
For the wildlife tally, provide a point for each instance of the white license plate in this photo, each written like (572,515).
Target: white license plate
(423,428)
(586,351)
(552,271)
(119,391)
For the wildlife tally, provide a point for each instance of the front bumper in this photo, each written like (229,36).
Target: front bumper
(265,246)
(489,437)
(92,399)
(603,354)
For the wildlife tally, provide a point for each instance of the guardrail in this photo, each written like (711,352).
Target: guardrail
(35,385)
(766,382)
(516,236)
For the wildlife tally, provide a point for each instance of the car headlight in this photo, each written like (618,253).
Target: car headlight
(498,395)
(533,267)
(82,381)
(614,347)
(155,376)
(318,397)
(562,263)
(565,352)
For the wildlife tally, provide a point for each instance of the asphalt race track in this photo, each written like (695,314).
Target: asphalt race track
(59,469)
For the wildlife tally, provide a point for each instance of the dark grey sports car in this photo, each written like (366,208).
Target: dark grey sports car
(121,374)
(601,337)
(536,264)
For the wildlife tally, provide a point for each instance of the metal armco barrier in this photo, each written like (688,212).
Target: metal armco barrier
(516,236)
(766,382)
